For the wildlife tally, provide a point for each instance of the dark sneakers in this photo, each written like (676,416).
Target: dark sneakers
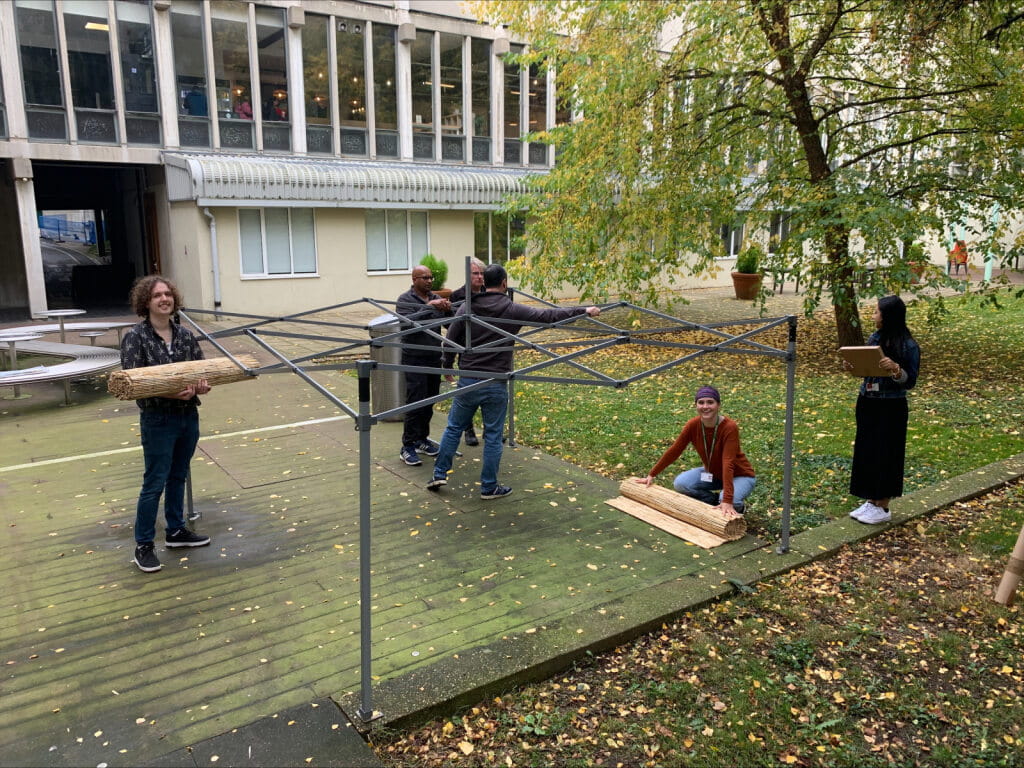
(146,558)
(428,448)
(471,438)
(437,483)
(410,457)
(183,537)
(499,491)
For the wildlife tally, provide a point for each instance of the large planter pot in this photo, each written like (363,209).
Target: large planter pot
(746,285)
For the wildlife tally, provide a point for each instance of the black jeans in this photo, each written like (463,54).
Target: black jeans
(419,386)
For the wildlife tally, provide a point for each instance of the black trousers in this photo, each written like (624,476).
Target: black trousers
(419,386)
(880,447)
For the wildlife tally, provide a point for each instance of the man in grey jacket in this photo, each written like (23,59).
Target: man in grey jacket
(491,353)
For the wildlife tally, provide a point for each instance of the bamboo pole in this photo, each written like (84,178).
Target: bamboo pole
(1007,588)
(164,380)
(681,507)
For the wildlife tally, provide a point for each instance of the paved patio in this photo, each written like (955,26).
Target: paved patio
(232,648)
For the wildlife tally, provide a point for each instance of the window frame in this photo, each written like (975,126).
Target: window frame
(265,274)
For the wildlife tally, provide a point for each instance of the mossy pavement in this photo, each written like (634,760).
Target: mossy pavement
(248,650)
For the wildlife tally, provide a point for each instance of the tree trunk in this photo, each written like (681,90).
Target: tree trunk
(849,331)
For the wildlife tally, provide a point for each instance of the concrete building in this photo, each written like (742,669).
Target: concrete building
(270,156)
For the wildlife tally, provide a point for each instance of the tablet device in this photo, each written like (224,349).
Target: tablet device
(864,360)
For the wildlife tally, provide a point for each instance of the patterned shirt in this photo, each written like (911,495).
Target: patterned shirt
(142,346)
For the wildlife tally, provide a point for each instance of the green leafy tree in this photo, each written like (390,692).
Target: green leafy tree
(870,123)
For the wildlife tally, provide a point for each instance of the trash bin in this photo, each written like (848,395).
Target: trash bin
(387,388)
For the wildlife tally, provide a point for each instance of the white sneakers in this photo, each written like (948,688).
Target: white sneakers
(871,514)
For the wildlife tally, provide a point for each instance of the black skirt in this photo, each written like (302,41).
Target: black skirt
(880,447)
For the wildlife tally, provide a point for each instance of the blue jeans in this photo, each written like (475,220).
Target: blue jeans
(492,400)
(690,484)
(169,439)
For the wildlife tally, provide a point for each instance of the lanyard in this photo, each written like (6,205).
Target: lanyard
(704,438)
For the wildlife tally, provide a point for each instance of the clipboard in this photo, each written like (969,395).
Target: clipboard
(864,361)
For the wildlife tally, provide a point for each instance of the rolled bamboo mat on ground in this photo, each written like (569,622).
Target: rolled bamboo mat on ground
(164,380)
(681,507)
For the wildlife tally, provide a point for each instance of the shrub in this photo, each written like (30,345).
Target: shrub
(438,268)
(749,260)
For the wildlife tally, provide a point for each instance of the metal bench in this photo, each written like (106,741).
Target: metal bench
(84,361)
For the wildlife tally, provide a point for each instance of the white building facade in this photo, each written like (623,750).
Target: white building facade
(270,156)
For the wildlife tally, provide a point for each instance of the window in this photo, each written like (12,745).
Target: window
(273,68)
(480,88)
(277,241)
(396,240)
(190,74)
(512,117)
(40,70)
(352,86)
(138,72)
(453,123)
(422,58)
(732,238)
(229,24)
(316,76)
(498,237)
(779,232)
(385,89)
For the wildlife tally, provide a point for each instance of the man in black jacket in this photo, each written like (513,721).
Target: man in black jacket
(420,349)
(491,353)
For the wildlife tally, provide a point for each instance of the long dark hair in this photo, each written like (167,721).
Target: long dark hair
(894,334)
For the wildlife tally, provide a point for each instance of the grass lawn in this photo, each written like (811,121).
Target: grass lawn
(891,653)
(966,411)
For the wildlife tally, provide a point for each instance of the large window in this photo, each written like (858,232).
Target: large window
(229,24)
(138,71)
(190,73)
(270,45)
(385,90)
(317,81)
(350,39)
(277,242)
(87,29)
(480,84)
(498,237)
(396,240)
(40,69)
(538,151)
(422,61)
(453,121)
(513,116)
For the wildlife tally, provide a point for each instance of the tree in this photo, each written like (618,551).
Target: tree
(869,123)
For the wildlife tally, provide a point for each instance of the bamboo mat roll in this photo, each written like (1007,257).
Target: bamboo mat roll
(681,507)
(165,380)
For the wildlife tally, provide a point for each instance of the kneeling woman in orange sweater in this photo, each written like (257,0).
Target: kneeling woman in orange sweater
(726,477)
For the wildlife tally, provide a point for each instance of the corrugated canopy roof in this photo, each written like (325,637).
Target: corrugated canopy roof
(214,180)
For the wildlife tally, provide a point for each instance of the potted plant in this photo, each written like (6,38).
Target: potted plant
(439,269)
(747,275)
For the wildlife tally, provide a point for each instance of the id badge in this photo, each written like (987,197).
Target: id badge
(707,477)
(872,386)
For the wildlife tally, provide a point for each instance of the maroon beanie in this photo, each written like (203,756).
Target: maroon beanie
(708,392)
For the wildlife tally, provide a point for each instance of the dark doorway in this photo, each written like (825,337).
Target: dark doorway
(108,236)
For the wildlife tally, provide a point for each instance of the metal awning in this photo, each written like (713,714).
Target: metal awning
(232,180)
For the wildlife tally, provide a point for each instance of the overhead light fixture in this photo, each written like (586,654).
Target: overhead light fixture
(97,26)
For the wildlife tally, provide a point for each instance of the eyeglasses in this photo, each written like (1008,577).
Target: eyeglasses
(423,277)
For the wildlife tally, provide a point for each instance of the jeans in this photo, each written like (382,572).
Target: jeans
(169,438)
(689,483)
(492,400)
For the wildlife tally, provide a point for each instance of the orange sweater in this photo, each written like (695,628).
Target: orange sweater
(727,459)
